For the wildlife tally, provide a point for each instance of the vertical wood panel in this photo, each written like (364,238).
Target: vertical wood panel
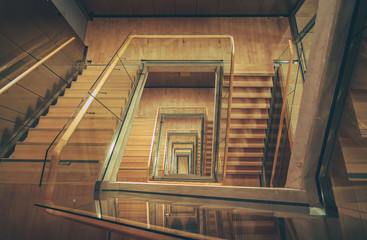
(228,6)
(185,7)
(164,7)
(249,7)
(207,7)
(121,7)
(143,7)
(102,7)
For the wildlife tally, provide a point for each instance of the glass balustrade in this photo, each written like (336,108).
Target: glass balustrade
(113,130)
(152,216)
(23,103)
(286,99)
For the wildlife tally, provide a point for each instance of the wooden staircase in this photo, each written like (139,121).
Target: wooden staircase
(134,163)
(209,148)
(82,157)
(250,104)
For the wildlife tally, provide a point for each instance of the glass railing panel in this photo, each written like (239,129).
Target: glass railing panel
(306,13)
(39,88)
(223,125)
(94,108)
(177,47)
(196,218)
(83,156)
(304,47)
(286,99)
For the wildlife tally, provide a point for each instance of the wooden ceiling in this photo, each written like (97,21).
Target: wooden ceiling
(159,8)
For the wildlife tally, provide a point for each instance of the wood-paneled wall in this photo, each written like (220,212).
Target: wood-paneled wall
(153,98)
(257,40)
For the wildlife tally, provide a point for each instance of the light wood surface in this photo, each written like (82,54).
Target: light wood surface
(132,167)
(22,220)
(250,103)
(258,40)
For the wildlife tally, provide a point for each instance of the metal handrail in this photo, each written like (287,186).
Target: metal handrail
(29,70)
(55,156)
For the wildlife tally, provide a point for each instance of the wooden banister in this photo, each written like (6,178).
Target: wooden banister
(282,114)
(55,157)
(21,76)
(229,111)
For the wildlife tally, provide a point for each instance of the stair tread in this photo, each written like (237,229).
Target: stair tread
(243,171)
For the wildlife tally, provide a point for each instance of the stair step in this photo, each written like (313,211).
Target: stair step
(134,165)
(107,85)
(250,105)
(248,126)
(245,154)
(246,145)
(132,153)
(30,172)
(113,78)
(25,150)
(93,111)
(99,68)
(106,101)
(249,116)
(247,135)
(253,83)
(86,123)
(239,172)
(79,136)
(243,163)
(251,94)
(103,93)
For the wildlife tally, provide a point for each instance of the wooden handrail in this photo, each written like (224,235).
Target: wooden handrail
(21,76)
(55,157)
(282,114)
(229,111)
(151,145)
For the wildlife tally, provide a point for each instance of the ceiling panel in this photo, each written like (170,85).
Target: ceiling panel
(280,6)
(121,7)
(164,7)
(249,7)
(228,7)
(185,7)
(102,7)
(142,7)
(207,7)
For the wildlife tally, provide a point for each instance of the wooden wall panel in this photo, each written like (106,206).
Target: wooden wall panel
(257,40)
(152,98)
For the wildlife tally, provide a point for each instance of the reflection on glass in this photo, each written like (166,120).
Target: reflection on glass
(198,219)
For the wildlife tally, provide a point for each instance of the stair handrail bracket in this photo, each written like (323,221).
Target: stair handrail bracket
(64,138)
